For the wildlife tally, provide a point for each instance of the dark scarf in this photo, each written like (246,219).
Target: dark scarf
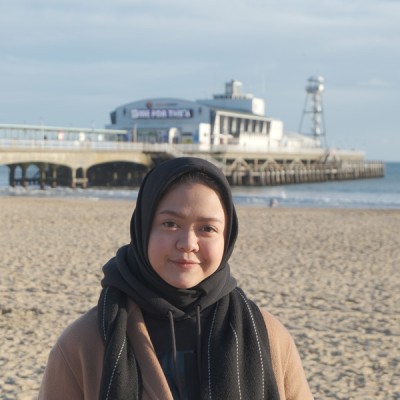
(236,360)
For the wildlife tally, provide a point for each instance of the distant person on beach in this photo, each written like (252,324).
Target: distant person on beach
(171,322)
(273,203)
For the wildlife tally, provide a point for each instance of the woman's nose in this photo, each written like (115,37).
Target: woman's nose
(187,241)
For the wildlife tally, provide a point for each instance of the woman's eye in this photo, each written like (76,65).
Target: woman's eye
(208,229)
(169,224)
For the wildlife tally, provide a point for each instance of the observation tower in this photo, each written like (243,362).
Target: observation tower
(313,107)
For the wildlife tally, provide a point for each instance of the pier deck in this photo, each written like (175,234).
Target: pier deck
(76,163)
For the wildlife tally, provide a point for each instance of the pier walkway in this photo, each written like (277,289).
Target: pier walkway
(119,163)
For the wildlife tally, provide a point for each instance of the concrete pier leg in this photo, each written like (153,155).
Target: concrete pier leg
(273,177)
(268,177)
(24,181)
(84,178)
(11,175)
(54,175)
(262,178)
(299,176)
(115,177)
(42,177)
(277,176)
(289,176)
(309,177)
(73,178)
(251,180)
(129,178)
(284,176)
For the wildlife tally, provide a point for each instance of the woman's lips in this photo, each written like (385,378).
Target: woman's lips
(185,263)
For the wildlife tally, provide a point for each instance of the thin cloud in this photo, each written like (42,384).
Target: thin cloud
(375,82)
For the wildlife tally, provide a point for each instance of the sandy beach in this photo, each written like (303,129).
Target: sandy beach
(332,276)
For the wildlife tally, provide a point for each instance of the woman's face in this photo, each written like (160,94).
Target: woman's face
(187,236)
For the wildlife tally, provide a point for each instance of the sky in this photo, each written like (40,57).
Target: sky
(70,62)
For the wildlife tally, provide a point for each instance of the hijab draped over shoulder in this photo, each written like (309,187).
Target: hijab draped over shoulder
(236,332)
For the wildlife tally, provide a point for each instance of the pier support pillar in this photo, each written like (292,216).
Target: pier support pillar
(53,175)
(73,178)
(24,181)
(11,175)
(79,177)
(42,175)
(84,178)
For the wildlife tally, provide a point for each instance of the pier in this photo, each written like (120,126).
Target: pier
(270,173)
(91,163)
(230,130)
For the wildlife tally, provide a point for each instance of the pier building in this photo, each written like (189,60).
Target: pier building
(231,118)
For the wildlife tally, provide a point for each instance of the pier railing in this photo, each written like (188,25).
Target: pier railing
(41,144)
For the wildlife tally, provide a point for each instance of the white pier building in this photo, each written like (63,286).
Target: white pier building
(230,118)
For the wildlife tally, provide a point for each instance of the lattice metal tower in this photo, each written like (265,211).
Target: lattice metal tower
(313,106)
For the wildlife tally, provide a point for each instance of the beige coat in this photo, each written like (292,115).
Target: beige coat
(75,363)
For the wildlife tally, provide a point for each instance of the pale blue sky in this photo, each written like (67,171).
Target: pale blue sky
(70,63)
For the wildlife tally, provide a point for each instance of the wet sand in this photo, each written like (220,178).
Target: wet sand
(331,276)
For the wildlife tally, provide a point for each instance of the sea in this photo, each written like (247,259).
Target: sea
(375,193)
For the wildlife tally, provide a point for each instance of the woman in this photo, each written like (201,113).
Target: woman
(171,322)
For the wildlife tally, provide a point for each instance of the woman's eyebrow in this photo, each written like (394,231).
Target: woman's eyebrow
(177,214)
(170,212)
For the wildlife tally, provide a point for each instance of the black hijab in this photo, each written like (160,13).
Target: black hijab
(235,354)
(132,272)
